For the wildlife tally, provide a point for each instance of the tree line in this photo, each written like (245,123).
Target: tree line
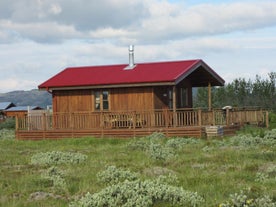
(260,92)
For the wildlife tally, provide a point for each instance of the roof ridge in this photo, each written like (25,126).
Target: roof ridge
(124,64)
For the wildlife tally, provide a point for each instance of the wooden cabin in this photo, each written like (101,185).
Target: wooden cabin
(3,107)
(127,100)
(20,111)
(141,87)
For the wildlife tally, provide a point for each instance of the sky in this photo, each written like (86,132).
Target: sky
(39,38)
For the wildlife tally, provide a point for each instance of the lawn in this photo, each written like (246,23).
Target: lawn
(149,171)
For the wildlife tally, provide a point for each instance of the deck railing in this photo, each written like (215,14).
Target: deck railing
(45,120)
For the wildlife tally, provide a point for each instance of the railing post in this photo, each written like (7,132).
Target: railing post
(227,117)
(44,121)
(213,117)
(16,123)
(134,120)
(199,117)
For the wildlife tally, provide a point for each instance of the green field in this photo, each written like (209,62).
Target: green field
(149,171)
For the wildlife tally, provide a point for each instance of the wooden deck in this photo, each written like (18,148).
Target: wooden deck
(182,122)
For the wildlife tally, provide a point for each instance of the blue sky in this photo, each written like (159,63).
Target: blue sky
(40,38)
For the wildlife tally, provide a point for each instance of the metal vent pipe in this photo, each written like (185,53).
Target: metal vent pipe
(131,56)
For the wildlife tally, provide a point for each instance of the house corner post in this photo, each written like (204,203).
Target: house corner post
(174,106)
(209,97)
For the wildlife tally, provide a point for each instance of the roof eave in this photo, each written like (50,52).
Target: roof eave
(206,67)
(168,83)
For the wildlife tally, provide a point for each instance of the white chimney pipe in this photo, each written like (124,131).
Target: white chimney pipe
(131,64)
(131,55)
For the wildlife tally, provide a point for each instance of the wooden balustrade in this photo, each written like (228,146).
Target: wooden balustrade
(135,119)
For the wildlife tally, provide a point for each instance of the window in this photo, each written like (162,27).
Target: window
(101,98)
(105,100)
(97,100)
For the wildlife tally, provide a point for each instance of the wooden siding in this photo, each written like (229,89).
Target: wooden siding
(127,99)
(72,100)
(120,99)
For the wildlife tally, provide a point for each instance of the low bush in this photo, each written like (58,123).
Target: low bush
(270,134)
(156,136)
(57,177)
(141,144)
(247,140)
(252,131)
(139,193)
(154,146)
(57,157)
(160,152)
(266,174)
(179,143)
(272,120)
(7,134)
(9,123)
(114,175)
(243,200)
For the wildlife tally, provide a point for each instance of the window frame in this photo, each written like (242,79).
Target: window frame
(101,99)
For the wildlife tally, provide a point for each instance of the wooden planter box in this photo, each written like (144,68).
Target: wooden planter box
(214,131)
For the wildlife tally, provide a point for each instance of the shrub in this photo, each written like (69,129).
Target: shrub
(7,134)
(113,175)
(154,146)
(159,148)
(156,137)
(160,152)
(243,200)
(267,174)
(253,131)
(56,176)
(129,190)
(9,123)
(245,140)
(270,134)
(248,140)
(272,120)
(179,143)
(139,193)
(138,144)
(169,179)
(57,157)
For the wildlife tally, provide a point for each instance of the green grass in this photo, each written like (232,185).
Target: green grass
(213,168)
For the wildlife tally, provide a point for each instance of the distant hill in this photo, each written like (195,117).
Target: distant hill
(27,98)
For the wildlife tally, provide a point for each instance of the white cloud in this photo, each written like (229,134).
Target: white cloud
(39,38)
(12,84)
(140,21)
(55,9)
(174,21)
(40,32)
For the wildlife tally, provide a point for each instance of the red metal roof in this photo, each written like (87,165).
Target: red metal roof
(117,74)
